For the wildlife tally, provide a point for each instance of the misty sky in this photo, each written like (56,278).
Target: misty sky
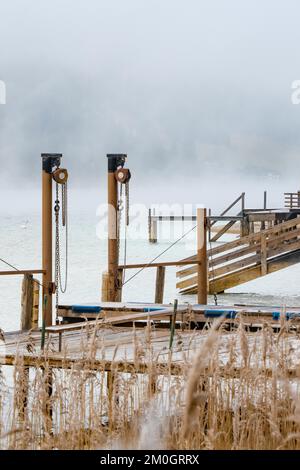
(185,87)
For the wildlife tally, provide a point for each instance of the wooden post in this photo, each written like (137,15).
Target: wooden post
(105,281)
(153,229)
(263,256)
(36,304)
(160,284)
(114,161)
(27,302)
(22,375)
(209,226)
(149,225)
(120,274)
(201,257)
(265,199)
(243,202)
(112,237)
(245,226)
(49,162)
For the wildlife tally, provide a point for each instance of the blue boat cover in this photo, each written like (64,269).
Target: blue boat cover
(219,313)
(288,315)
(86,309)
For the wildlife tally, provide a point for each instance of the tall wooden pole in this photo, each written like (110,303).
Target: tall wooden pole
(202,275)
(114,161)
(112,199)
(47,247)
(49,162)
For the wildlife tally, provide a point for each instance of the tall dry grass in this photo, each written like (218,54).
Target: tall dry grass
(237,391)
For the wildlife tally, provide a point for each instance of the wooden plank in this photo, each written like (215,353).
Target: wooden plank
(156,265)
(240,197)
(21,272)
(244,263)
(249,274)
(222,231)
(160,284)
(122,318)
(250,238)
(129,366)
(258,217)
(220,260)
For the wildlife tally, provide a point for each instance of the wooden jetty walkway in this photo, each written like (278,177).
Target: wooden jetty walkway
(109,342)
(63,345)
(246,258)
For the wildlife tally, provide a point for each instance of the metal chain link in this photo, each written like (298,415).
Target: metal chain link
(127,202)
(119,214)
(58,276)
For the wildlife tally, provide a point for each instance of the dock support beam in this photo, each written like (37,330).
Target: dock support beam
(202,275)
(152,223)
(49,161)
(114,161)
(160,284)
(27,303)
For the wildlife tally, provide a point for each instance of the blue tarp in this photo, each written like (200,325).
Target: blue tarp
(220,313)
(86,309)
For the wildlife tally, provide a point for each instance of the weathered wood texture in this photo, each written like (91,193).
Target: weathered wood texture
(247,258)
(160,284)
(27,302)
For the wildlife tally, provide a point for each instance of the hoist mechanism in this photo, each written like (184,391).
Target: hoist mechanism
(60,177)
(118,176)
(53,173)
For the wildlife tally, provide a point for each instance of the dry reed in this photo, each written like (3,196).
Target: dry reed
(240,391)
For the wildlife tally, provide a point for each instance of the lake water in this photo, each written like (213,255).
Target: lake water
(21,246)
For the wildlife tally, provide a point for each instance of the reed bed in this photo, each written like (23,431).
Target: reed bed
(238,390)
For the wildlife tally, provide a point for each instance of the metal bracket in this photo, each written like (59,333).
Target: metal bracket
(115,160)
(50,161)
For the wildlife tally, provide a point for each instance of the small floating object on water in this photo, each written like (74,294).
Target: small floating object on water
(25,224)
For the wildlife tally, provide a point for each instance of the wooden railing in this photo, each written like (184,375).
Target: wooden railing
(29,298)
(292,200)
(252,250)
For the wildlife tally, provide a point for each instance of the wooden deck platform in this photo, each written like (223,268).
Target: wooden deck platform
(105,344)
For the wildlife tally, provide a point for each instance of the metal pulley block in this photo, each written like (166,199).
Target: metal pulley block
(122,175)
(60,175)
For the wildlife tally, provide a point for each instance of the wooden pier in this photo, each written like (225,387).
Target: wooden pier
(114,339)
(246,258)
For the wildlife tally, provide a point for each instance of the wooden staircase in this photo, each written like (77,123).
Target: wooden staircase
(247,258)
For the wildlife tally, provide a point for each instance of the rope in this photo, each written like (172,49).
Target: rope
(160,254)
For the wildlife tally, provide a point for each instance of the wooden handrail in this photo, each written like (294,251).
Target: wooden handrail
(241,196)
(247,251)
(156,265)
(23,271)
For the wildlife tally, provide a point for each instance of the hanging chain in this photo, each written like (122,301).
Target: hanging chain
(119,214)
(126,226)
(127,202)
(58,276)
(56,212)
